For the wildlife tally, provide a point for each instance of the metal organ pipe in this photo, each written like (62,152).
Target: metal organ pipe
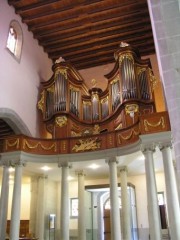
(128,79)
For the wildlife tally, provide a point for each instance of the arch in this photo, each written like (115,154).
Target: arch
(15,35)
(14,121)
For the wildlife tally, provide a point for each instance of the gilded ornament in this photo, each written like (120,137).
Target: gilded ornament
(140,70)
(126,55)
(61,71)
(87,145)
(95,96)
(87,103)
(61,121)
(41,102)
(129,136)
(159,123)
(51,89)
(131,109)
(94,82)
(118,127)
(104,100)
(75,89)
(26,144)
(153,79)
(96,129)
(9,143)
(115,80)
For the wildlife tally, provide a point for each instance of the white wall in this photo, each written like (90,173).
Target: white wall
(19,81)
(25,201)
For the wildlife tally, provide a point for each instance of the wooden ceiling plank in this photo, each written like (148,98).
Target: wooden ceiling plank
(83,39)
(46,8)
(60,28)
(51,19)
(98,41)
(84,52)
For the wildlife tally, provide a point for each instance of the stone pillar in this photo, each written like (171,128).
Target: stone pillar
(171,193)
(16,202)
(33,206)
(64,215)
(125,202)
(114,199)
(4,200)
(153,207)
(81,207)
(40,210)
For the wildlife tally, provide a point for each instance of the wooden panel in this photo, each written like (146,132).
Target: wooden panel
(107,224)
(24,228)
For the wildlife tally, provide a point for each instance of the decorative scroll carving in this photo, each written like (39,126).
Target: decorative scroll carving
(15,143)
(94,82)
(41,102)
(147,124)
(61,121)
(26,144)
(61,71)
(126,55)
(131,109)
(51,89)
(96,129)
(153,79)
(118,127)
(87,145)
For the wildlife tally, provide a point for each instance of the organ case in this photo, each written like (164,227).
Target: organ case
(70,109)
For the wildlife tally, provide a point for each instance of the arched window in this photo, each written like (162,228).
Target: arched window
(14,40)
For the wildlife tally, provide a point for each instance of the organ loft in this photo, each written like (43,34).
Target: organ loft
(79,119)
(71,110)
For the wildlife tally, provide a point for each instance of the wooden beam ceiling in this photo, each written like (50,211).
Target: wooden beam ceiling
(87,32)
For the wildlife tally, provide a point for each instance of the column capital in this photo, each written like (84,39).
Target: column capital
(19,162)
(111,160)
(150,147)
(5,163)
(165,145)
(64,164)
(42,176)
(123,169)
(80,173)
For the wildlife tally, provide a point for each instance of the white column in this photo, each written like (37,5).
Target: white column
(153,207)
(171,193)
(81,207)
(64,216)
(114,200)
(40,210)
(16,203)
(125,202)
(4,201)
(33,206)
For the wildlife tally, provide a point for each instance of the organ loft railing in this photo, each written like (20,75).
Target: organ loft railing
(70,109)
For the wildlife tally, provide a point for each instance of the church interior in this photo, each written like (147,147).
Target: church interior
(89,139)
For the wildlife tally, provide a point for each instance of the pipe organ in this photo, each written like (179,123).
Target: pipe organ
(70,109)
